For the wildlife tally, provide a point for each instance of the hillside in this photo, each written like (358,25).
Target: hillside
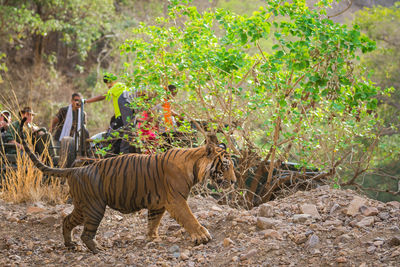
(322,227)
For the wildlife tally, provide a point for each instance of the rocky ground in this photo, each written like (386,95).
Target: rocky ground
(322,227)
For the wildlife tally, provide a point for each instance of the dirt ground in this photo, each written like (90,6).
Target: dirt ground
(322,227)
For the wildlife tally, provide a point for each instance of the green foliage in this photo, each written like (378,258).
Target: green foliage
(80,22)
(303,99)
(382,24)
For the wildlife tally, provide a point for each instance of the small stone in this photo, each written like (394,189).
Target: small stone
(369,211)
(300,239)
(394,204)
(50,220)
(378,243)
(33,210)
(383,215)
(310,209)
(176,254)
(118,217)
(108,234)
(313,241)
(395,253)
(367,221)
(131,259)
(341,260)
(300,218)
(332,223)
(355,205)
(184,256)
(227,242)
(266,210)
(344,238)
(267,223)
(249,254)
(371,249)
(269,233)
(394,241)
(174,248)
(174,227)
(334,208)
(216,208)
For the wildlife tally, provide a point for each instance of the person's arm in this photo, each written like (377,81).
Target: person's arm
(95,99)
(54,123)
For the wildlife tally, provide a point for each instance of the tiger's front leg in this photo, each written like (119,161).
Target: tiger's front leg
(180,211)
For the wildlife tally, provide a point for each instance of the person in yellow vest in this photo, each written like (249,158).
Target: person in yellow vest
(121,98)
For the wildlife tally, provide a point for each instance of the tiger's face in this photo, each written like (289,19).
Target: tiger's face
(221,167)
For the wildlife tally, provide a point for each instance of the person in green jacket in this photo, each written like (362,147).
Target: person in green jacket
(121,97)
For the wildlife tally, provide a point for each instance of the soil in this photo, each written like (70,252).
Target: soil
(321,227)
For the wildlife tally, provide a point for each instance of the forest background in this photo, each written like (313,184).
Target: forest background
(50,49)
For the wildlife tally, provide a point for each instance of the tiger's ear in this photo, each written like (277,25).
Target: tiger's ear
(212,141)
(211,138)
(210,149)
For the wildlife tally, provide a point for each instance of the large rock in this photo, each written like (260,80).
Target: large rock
(355,205)
(310,209)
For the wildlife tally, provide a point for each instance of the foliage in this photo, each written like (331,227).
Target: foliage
(382,24)
(303,101)
(79,22)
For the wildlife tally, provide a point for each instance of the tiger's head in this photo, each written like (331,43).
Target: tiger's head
(221,166)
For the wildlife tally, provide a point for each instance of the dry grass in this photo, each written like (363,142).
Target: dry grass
(23,182)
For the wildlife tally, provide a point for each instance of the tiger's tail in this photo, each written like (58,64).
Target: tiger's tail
(60,172)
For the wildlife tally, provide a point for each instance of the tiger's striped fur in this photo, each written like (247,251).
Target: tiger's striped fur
(129,183)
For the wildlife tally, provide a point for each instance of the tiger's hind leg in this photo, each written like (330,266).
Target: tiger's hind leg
(91,222)
(70,222)
(153,221)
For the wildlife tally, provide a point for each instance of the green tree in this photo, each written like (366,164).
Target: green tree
(80,23)
(304,101)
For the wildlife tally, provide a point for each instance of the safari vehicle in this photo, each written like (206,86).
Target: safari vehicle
(9,160)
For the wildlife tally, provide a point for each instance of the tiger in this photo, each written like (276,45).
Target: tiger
(132,182)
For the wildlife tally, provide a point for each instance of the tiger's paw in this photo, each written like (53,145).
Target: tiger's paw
(152,236)
(70,244)
(202,237)
(93,246)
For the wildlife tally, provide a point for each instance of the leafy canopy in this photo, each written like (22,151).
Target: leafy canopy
(299,98)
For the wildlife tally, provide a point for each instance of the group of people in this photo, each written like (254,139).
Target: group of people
(10,132)
(68,119)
